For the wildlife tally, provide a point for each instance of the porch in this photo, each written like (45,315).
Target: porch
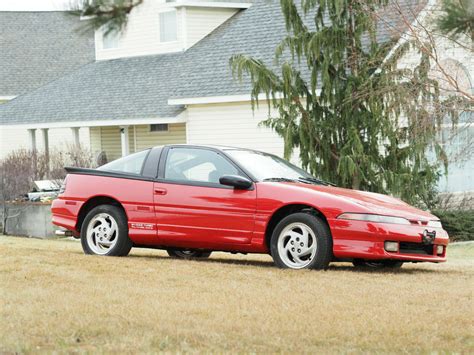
(112,140)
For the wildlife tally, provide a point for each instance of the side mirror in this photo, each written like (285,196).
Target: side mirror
(238,182)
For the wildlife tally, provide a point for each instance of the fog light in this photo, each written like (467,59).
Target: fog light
(391,246)
(439,250)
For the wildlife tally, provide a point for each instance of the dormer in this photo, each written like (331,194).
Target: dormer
(159,26)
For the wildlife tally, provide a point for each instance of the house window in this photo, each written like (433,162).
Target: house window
(168,26)
(159,127)
(110,40)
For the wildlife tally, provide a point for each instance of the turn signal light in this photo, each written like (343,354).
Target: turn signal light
(391,246)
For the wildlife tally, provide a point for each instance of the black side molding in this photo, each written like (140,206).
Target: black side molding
(106,173)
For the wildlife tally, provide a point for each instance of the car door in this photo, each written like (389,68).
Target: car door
(193,209)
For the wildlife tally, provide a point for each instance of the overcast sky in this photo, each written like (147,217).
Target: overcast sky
(33,5)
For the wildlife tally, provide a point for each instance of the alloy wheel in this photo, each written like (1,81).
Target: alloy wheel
(102,233)
(297,245)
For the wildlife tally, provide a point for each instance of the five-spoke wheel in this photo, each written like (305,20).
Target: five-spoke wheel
(297,245)
(105,232)
(301,240)
(102,233)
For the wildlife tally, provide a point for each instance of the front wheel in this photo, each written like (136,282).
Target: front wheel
(188,253)
(301,241)
(105,232)
(378,264)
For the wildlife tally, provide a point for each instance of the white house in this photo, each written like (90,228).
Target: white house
(35,49)
(167,79)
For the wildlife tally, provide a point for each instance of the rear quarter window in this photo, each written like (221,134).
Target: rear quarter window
(131,164)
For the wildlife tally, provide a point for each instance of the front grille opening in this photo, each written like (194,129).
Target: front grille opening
(416,248)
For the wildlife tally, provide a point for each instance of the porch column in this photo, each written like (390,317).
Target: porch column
(124,140)
(32,139)
(45,142)
(75,136)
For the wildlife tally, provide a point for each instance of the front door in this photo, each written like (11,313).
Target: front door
(193,209)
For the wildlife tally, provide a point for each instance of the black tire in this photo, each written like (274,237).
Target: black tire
(188,253)
(321,232)
(123,244)
(377,264)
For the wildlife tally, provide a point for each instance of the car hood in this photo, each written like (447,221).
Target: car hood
(374,203)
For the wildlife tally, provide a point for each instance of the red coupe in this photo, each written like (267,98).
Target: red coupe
(192,200)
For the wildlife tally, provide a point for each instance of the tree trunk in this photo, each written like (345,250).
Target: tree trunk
(4,218)
(356,181)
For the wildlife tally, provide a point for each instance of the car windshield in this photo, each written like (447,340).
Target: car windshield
(268,167)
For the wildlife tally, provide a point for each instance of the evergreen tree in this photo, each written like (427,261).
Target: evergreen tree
(357,120)
(457,18)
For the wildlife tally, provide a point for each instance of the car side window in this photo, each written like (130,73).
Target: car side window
(132,163)
(197,165)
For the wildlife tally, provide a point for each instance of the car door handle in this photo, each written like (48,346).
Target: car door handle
(160,191)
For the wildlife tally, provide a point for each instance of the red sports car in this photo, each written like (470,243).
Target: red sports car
(192,200)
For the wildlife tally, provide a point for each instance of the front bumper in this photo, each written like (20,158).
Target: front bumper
(366,240)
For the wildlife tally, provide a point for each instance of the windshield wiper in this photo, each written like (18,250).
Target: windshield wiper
(302,179)
(280,179)
(315,181)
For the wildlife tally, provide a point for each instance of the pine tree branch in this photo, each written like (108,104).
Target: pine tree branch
(110,15)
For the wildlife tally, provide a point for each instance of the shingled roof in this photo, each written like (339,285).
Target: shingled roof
(38,47)
(136,88)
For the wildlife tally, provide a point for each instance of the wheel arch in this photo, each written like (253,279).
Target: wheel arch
(286,210)
(94,202)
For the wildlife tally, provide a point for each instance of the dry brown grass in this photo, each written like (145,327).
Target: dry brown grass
(52,297)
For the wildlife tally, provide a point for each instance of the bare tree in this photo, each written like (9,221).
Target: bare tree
(21,168)
(418,27)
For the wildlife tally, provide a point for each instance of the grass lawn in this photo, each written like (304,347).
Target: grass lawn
(53,297)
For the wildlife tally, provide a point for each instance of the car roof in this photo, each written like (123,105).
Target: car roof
(214,146)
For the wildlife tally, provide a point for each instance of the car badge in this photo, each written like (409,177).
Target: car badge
(428,237)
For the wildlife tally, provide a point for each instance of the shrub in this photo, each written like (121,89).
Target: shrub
(458,223)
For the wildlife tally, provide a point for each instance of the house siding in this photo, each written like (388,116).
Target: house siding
(232,124)
(108,138)
(142,35)
(176,135)
(201,21)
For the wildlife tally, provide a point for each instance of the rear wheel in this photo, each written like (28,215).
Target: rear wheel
(105,232)
(188,253)
(301,241)
(378,264)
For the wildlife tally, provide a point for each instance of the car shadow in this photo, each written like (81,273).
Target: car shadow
(368,270)
(338,267)
(211,260)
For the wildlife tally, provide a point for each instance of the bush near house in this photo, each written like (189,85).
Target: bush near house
(459,224)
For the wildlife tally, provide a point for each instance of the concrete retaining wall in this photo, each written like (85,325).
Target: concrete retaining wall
(29,219)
